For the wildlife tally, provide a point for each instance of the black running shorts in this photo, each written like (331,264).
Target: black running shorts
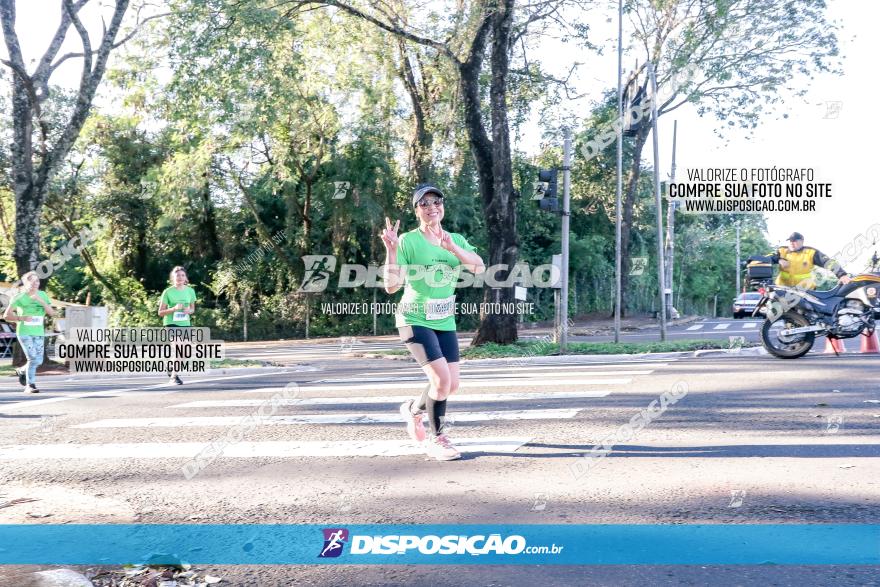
(427,344)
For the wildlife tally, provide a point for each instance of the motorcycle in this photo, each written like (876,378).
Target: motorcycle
(796,316)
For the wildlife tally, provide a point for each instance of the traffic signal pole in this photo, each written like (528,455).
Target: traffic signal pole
(617,204)
(670,234)
(566,216)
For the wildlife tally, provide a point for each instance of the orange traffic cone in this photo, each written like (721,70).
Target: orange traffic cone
(834,345)
(869,343)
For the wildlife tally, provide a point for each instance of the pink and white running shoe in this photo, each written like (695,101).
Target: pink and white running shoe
(414,426)
(441,448)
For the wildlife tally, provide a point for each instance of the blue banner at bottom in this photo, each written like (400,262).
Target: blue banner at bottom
(384,544)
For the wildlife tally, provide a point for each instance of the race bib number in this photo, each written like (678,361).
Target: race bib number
(180,317)
(440,309)
(33,320)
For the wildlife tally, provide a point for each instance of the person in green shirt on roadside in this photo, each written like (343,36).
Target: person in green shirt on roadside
(29,309)
(426,261)
(176,305)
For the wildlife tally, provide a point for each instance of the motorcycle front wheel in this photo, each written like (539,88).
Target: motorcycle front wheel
(787,347)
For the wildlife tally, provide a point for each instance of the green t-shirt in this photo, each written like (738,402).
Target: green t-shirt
(431,273)
(26,306)
(173,296)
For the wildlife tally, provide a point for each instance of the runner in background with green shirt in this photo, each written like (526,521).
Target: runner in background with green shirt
(29,309)
(426,261)
(177,305)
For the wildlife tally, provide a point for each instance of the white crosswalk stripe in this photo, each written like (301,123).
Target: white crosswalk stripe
(471,384)
(695,327)
(476,375)
(750,325)
(514,368)
(722,326)
(359,418)
(394,399)
(288,449)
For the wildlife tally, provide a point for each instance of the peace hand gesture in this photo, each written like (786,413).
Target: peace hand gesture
(445,241)
(389,235)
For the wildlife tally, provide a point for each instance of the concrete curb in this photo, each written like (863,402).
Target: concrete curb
(756,351)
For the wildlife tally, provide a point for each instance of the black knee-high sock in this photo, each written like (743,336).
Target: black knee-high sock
(436,415)
(421,404)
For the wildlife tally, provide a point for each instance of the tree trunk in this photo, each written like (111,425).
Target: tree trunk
(629,203)
(28,199)
(208,222)
(422,140)
(496,176)
(307,218)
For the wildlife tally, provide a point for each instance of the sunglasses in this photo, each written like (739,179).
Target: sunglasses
(423,203)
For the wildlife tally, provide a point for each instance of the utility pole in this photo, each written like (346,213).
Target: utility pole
(670,231)
(738,270)
(566,216)
(618,203)
(661,274)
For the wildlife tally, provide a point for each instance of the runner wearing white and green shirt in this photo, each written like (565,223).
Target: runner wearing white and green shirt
(176,305)
(427,261)
(29,309)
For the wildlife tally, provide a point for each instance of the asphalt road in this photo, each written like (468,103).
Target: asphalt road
(755,440)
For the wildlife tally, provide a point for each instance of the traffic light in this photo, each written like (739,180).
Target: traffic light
(547,187)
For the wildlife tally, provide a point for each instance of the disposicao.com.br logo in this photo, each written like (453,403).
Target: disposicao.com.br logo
(402,544)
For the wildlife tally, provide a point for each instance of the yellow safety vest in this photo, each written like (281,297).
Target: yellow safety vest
(800,268)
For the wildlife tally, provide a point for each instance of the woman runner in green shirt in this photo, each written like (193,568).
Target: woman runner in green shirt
(30,308)
(176,305)
(427,261)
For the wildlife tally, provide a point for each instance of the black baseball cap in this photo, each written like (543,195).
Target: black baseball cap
(795,236)
(424,189)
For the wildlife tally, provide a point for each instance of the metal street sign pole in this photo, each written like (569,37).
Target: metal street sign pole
(618,205)
(566,208)
(661,274)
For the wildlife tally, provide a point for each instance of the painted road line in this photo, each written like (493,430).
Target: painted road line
(469,384)
(284,449)
(359,418)
(475,373)
(421,378)
(118,392)
(474,377)
(695,327)
(751,324)
(395,399)
(514,369)
(722,326)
